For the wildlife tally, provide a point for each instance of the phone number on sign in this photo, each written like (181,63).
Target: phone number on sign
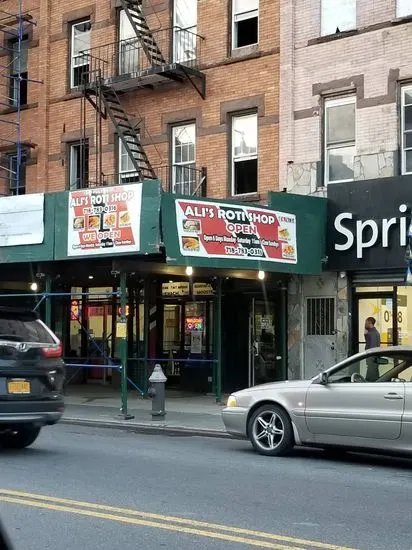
(240,251)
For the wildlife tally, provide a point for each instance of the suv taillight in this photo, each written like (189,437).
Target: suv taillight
(55,351)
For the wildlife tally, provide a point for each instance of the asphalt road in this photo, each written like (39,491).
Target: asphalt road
(107,489)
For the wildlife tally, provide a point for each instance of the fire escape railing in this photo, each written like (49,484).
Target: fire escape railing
(128,58)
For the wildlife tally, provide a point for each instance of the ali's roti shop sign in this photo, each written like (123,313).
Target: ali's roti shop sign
(104,220)
(224,230)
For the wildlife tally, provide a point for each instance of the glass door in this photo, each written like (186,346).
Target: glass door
(263,362)
(383,308)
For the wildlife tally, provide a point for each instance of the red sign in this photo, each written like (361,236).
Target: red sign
(224,230)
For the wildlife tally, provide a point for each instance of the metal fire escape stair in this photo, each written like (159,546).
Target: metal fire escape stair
(124,128)
(134,12)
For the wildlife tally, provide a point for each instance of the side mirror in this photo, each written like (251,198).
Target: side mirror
(323,378)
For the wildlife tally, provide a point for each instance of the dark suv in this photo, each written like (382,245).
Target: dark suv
(31,377)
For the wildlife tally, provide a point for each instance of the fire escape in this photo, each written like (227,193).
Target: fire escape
(147,60)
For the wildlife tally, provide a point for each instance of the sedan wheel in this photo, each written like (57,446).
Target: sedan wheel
(270,431)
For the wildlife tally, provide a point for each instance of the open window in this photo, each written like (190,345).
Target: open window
(245,23)
(185,31)
(18,72)
(244,154)
(338,16)
(78,165)
(79,60)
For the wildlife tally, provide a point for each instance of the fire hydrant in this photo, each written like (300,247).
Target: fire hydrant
(157,393)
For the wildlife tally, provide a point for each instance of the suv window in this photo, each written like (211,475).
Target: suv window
(23,328)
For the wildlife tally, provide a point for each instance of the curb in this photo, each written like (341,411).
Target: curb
(147,428)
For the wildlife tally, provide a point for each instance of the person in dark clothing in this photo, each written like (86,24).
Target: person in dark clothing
(373,340)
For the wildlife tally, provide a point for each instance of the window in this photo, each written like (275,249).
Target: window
(320,316)
(340,136)
(79,62)
(127,170)
(78,165)
(403,8)
(245,23)
(338,16)
(244,154)
(16,173)
(129,46)
(375,368)
(184,159)
(18,68)
(406,124)
(185,30)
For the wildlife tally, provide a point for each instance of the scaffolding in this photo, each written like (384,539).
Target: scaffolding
(13,95)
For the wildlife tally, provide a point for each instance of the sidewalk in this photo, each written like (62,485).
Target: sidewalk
(100,406)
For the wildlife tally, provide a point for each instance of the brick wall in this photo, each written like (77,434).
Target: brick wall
(371,62)
(53,118)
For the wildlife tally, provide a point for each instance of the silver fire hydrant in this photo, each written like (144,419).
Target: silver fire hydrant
(157,393)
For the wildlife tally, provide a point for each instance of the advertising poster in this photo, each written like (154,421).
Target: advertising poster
(222,230)
(28,210)
(104,220)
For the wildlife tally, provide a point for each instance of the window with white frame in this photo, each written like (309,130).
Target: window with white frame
(245,23)
(406,127)
(340,139)
(185,30)
(338,16)
(403,8)
(129,46)
(78,165)
(184,159)
(244,154)
(127,170)
(80,43)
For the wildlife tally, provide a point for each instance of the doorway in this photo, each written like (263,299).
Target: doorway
(382,305)
(264,363)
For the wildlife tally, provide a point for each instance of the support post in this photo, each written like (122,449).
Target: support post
(218,340)
(146,328)
(121,331)
(283,336)
(48,313)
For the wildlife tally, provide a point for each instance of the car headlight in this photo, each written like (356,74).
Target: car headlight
(231,402)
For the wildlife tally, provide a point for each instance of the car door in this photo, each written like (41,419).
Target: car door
(363,409)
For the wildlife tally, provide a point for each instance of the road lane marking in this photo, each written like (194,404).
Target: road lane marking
(5,494)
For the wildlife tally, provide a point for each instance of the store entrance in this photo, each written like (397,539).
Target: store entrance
(264,365)
(391,306)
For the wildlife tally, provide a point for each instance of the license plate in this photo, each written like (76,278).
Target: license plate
(18,386)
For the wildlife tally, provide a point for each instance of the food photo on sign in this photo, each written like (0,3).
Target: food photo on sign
(104,220)
(208,229)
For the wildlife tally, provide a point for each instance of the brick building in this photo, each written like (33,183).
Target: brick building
(142,130)
(345,96)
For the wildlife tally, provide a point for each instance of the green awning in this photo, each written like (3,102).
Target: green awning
(226,234)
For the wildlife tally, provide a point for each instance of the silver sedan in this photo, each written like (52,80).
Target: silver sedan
(364,402)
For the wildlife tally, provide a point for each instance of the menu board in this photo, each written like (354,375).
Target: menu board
(104,220)
(223,230)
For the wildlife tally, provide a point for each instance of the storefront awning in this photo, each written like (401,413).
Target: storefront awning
(288,236)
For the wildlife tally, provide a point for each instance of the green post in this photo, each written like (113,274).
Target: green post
(218,340)
(146,327)
(283,332)
(121,331)
(48,313)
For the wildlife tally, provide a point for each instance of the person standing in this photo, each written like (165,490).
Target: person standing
(373,340)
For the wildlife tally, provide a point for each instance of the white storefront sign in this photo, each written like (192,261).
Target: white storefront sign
(22,220)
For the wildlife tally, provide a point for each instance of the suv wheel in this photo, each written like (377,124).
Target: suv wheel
(19,437)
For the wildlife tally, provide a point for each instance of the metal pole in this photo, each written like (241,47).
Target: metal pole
(218,333)
(48,315)
(283,336)
(121,331)
(146,327)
